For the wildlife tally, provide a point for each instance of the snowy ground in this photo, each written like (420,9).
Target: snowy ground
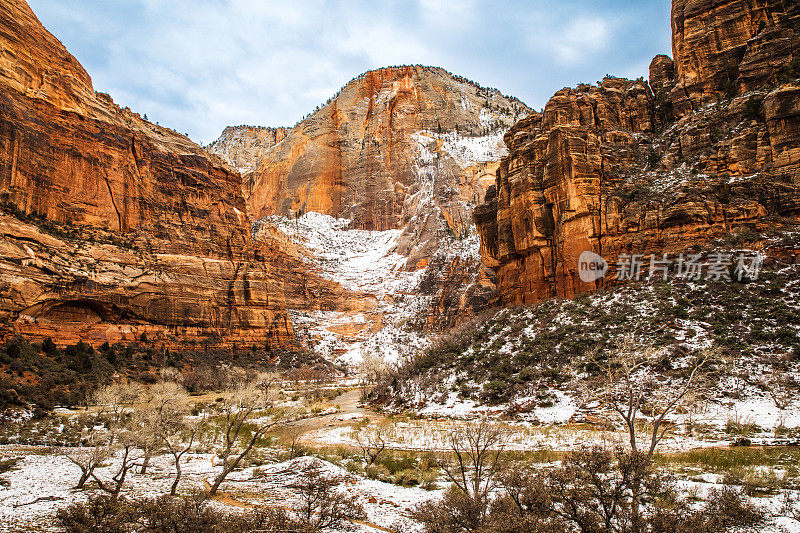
(434,435)
(43,479)
(365,262)
(43,482)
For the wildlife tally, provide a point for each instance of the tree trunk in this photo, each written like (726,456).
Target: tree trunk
(218,481)
(85,475)
(145,464)
(174,488)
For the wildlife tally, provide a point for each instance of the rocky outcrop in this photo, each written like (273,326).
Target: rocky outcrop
(355,156)
(243,147)
(637,168)
(115,226)
(724,48)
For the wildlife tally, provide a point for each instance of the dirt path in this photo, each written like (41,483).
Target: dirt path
(349,410)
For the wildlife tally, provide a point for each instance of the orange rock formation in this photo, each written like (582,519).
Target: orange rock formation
(115,226)
(710,144)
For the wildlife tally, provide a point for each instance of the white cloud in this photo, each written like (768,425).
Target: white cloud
(575,40)
(448,11)
(199,65)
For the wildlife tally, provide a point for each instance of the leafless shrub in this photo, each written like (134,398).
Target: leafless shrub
(167,514)
(372,444)
(322,507)
(592,491)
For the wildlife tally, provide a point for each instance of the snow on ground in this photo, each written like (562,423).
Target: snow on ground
(434,435)
(364,262)
(43,482)
(386,505)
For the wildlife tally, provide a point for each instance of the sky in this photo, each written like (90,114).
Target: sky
(199,65)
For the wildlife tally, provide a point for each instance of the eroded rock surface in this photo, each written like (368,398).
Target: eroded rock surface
(115,226)
(637,168)
(355,156)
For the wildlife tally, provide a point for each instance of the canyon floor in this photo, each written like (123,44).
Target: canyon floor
(39,479)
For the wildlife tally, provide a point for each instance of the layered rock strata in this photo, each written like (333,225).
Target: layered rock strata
(628,167)
(114,226)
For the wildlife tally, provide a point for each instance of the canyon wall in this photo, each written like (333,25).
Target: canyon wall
(245,146)
(647,168)
(408,148)
(355,156)
(114,226)
(723,48)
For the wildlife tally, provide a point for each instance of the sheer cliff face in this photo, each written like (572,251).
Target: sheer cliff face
(631,167)
(116,226)
(409,148)
(355,157)
(729,47)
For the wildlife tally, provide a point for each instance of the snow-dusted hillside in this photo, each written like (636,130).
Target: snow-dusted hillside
(366,262)
(536,362)
(404,270)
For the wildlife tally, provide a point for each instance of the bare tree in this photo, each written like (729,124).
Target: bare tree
(472,467)
(245,416)
(164,405)
(115,400)
(161,424)
(321,506)
(88,457)
(635,392)
(369,372)
(295,448)
(126,446)
(372,444)
(144,426)
(169,403)
(178,440)
(268,383)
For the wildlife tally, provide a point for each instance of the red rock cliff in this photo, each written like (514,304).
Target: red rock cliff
(722,48)
(115,226)
(356,156)
(632,167)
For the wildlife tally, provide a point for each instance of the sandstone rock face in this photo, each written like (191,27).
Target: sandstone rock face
(410,149)
(354,157)
(609,169)
(245,146)
(662,74)
(722,48)
(120,226)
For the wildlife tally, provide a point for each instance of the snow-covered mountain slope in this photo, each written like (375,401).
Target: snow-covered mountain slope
(416,281)
(367,263)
